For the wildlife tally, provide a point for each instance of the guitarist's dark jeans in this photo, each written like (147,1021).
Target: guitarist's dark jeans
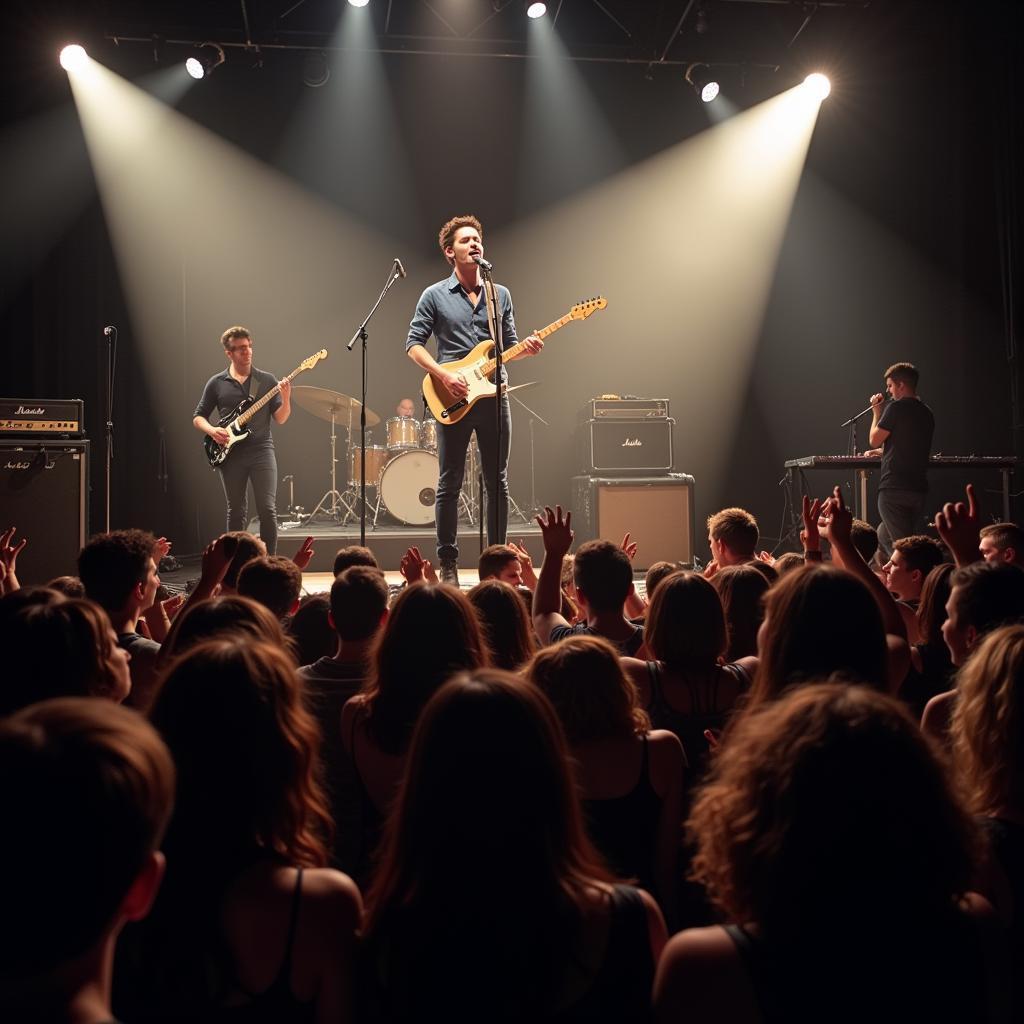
(258,464)
(452,442)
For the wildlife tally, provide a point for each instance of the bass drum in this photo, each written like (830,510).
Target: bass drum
(408,487)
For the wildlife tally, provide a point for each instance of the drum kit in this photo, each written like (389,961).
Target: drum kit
(401,475)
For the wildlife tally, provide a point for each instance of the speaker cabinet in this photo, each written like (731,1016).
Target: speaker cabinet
(617,446)
(44,491)
(657,511)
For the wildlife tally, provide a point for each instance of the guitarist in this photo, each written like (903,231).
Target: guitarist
(454,311)
(252,459)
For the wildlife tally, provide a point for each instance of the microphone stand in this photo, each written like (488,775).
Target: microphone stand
(361,335)
(494,319)
(851,448)
(111,335)
(535,509)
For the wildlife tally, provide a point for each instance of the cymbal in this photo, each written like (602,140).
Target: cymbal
(323,402)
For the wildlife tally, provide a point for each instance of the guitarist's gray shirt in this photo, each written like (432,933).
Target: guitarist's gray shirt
(224,393)
(444,311)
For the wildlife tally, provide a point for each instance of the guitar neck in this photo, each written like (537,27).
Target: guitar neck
(520,347)
(256,406)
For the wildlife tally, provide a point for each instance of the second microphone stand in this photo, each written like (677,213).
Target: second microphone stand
(393,275)
(494,319)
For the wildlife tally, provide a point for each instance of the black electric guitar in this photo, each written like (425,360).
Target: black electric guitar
(234,423)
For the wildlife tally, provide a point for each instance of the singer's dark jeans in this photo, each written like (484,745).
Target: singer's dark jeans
(902,514)
(452,442)
(259,465)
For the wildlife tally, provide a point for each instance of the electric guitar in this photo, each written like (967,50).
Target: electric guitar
(476,368)
(234,423)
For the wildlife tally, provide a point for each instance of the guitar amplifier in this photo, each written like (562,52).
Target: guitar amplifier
(657,511)
(42,417)
(44,492)
(626,446)
(612,407)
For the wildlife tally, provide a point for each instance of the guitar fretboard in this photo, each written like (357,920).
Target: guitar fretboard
(256,406)
(520,347)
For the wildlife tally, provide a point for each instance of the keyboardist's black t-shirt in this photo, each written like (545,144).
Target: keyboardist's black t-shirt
(906,450)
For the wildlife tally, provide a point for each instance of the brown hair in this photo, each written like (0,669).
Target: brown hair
(864,538)
(487,794)
(1005,535)
(594,698)
(931,609)
(232,334)
(507,627)
(273,580)
(351,555)
(231,616)
(736,528)
(60,648)
(248,547)
(112,564)
(359,599)
(87,789)
(921,553)
(446,236)
(829,803)
(603,572)
(431,633)
(494,558)
(655,574)
(685,623)
(741,589)
(988,722)
(903,373)
(819,622)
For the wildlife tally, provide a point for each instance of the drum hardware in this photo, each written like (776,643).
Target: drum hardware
(327,405)
(402,433)
(294,513)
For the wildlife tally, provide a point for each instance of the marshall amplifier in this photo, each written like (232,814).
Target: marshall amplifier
(626,446)
(42,417)
(657,511)
(44,492)
(612,407)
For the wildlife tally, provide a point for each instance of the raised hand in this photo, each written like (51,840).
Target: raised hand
(161,550)
(556,531)
(216,559)
(811,512)
(836,520)
(959,525)
(629,547)
(304,555)
(526,564)
(9,552)
(414,567)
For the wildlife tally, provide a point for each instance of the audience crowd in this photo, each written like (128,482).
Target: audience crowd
(777,789)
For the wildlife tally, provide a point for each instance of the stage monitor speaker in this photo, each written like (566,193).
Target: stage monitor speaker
(657,511)
(44,490)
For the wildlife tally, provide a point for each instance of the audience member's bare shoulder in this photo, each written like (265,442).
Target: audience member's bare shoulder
(702,978)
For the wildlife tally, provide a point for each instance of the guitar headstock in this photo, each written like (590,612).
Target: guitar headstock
(583,309)
(308,364)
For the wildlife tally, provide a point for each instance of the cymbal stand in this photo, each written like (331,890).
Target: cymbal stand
(535,509)
(334,496)
(469,504)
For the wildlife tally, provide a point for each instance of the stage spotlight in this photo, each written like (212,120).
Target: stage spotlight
(818,85)
(702,79)
(206,57)
(536,10)
(73,57)
(358,3)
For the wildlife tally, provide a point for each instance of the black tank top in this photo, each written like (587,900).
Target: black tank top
(624,828)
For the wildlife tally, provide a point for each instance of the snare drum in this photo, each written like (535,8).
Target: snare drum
(376,459)
(408,487)
(428,435)
(403,433)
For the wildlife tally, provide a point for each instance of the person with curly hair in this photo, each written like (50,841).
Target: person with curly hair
(630,776)
(454,312)
(987,734)
(830,839)
(490,903)
(250,924)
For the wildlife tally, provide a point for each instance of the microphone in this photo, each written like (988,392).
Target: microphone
(108,331)
(399,267)
(481,262)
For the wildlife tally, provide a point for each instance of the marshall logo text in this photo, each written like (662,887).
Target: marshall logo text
(632,442)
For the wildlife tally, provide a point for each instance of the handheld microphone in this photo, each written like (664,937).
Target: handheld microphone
(481,262)
(399,267)
(109,331)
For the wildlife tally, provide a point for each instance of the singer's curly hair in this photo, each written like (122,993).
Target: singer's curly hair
(446,236)
(233,334)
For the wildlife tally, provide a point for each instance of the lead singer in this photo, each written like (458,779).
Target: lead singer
(454,311)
